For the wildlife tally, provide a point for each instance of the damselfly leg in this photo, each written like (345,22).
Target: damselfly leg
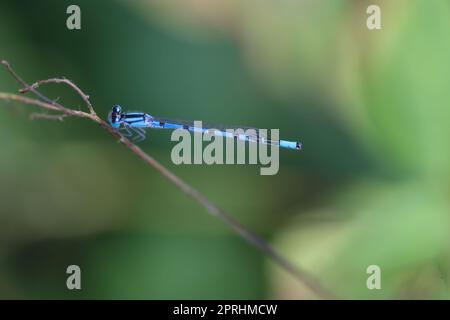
(125,130)
(136,134)
(140,134)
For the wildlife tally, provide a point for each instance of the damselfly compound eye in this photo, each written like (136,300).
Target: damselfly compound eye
(117,109)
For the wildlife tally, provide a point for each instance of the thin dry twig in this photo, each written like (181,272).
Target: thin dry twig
(84,96)
(46,103)
(23,83)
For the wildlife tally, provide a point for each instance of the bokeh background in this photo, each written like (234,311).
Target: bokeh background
(370,187)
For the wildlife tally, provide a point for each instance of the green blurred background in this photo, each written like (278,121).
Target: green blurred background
(370,187)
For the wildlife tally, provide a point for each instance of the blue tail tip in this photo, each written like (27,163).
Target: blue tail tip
(299,146)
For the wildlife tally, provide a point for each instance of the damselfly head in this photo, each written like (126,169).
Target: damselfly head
(115,116)
(117,109)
